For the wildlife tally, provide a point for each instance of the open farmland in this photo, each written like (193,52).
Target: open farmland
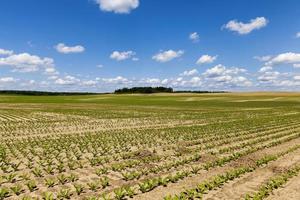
(144,147)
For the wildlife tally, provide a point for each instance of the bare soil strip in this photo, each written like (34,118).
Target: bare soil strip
(290,191)
(251,182)
(193,181)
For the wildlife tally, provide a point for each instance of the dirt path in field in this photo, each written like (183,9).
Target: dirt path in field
(193,181)
(290,191)
(251,182)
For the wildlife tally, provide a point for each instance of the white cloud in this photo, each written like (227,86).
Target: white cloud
(25,62)
(67,80)
(296,65)
(152,81)
(54,77)
(195,81)
(191,72)
(265,68)
(194,37)
(297,78)
(269,76)
(31,81)
(284,58)
(51,71)
(116,55)
(288,83)
(6,52)
(235,70)
(116,80)
(222,76)
(245,28)
(62,48)
(167,55)
(89,83)
(263,58)
(118,6)
(215,71)
(7,80)
(205,59)
(298,35)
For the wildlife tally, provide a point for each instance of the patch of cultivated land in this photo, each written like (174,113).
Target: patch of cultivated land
(289,190)
(231,191)
(251,182)
(159,146)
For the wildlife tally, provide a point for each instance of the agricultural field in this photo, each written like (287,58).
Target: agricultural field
(150,147)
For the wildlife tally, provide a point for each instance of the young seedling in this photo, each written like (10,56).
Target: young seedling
(49,169)
(37,172)
(31,185)
(25,176)
(104,182)
(50,182)
(120,193)
(48,196)
(129,191)
(101,171)
(93,185)
(16,166)
(4,193)
(73,178)
(78,188)
(62,179)
(17,189)
(64,194)
(11,178)
(61,167)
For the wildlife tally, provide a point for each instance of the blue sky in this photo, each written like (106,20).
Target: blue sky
(101,45)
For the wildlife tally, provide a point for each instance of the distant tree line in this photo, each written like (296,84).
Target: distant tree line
(149,90)
(143,90)
(43,93)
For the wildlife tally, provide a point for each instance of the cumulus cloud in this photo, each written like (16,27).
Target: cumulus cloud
(51,71)
(223,76)
(269,76)
(118,6)
(119,56)
(116,80)
(265,68)
(166,56)
(297,78)
(67,80)
(246,28)
(195,81)
(89,83)
(215,71)
(7,80)
(263,58)
(205,59)
(275,80)
(296,65)
(6,52)
(25,62)
(152,81)
(191,72)
(194,37)
(298,35)
(62,48)
(284,58)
